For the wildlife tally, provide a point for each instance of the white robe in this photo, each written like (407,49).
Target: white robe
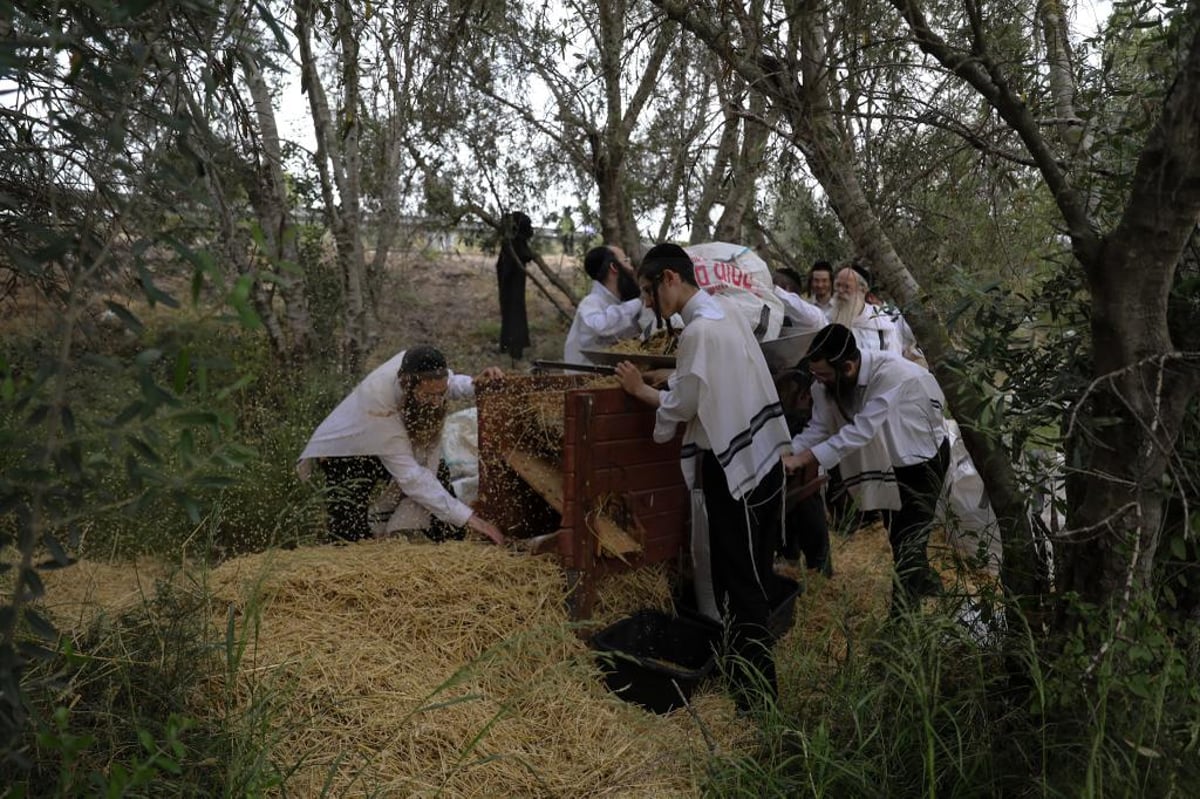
(723,393)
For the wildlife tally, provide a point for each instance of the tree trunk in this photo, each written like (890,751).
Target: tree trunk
(273,208)
(337,161)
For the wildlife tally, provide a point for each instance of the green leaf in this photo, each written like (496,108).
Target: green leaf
(145,450)
(152,292)
(40,626)
(148,356)
(182,368)
(56,551)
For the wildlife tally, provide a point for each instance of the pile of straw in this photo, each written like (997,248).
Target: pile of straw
(406,669)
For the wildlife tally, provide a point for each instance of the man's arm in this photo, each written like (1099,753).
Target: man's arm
(610,320)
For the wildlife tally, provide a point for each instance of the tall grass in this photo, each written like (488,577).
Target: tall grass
(920,708)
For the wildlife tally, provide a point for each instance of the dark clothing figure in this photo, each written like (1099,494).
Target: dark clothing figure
(806,530)
(350,482)
(733,524)
(515,252)
(908,528)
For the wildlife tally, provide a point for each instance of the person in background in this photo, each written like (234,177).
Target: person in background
(873,329)
(882,418)
(803,316)
(566,232)
(610,311)
(515,234)
(389,428)
(820,285)
(734,436)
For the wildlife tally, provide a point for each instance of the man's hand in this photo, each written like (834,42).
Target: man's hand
(490,373)
(799,462)
(484,527)
(630,377)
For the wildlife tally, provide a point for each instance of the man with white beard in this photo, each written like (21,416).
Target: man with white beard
(873,328)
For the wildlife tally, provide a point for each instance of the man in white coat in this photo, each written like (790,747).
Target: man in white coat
(881,417)
(389,428)
(610,311)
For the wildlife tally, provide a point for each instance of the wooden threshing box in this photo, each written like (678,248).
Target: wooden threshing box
(605,497)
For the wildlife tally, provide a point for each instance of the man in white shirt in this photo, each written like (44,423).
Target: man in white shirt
(880,402)
(610,311)
(873,328)
(734,435)
(389,427)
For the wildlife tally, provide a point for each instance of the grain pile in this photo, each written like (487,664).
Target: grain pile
(661,343)
(408,670)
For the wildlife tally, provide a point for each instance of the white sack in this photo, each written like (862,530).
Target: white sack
(736,273)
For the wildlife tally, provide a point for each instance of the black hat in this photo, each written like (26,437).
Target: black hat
(667,256)
(834,344)
(423,361)
(790,274)
(862,271)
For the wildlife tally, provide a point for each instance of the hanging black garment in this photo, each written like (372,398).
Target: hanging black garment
(510,274)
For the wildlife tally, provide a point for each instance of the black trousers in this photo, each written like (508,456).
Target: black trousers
(807,533)
(742,570)
(350,481)
(908,528)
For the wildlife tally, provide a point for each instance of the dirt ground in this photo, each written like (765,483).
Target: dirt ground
(452,302)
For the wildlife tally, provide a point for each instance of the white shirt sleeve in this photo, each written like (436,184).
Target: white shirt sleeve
(860,430)
(611,320)
(803,314)
(421,485)
(679,404)
(460,387)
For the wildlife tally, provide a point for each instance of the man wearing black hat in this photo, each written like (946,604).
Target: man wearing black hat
(881,418)
(610,311)
(389,427)
(734,434)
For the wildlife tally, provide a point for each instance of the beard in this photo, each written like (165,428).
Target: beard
(627,287)
(845,312)
(422,421)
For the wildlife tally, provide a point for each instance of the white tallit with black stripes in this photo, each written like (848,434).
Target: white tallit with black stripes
(722,391)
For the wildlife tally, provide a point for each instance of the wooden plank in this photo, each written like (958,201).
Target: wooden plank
(542,476)
(613,539)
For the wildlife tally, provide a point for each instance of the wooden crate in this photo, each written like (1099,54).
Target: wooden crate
(609,501)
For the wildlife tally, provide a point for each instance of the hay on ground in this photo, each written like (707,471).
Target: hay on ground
(410,669)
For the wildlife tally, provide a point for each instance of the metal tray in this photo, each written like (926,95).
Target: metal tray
(787,350)
(636,358)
